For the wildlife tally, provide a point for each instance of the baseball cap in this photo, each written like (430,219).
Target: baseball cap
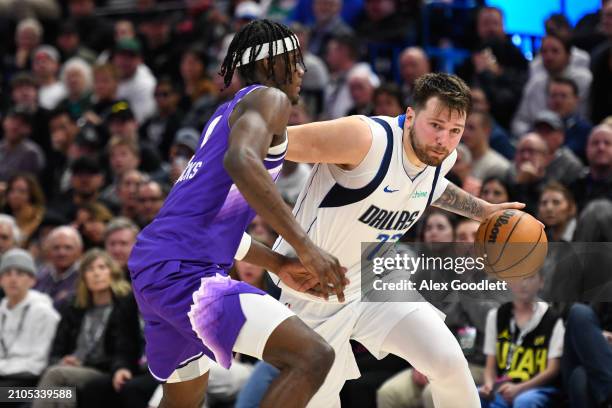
(19,259)
(187,137)
(121,110)
(85,165)
(128,45)
(550,118)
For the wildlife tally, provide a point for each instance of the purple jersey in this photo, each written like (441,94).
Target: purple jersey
(205,215)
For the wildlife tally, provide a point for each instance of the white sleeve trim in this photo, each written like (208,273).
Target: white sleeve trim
(243,248)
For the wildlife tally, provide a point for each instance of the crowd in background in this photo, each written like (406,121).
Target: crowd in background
(102,103)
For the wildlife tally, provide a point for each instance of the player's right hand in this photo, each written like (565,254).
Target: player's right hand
(327,268)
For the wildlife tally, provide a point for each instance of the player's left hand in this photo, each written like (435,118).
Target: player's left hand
(509,391)
(121,376)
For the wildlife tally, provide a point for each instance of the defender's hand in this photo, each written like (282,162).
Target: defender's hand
(327,268)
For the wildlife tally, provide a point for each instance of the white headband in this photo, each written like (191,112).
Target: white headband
(291,43)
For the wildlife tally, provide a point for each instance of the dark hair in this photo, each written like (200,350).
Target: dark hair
(485,118)
(567,44)
(254,35)
(559,188)
(37,197)
(501,182)
(430,212)
(556,20)
(566,81)
(449,89)
(350,42)
(59,111)
(390,89)
(490,8)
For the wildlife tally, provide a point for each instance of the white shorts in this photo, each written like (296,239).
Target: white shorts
(263,314)
(368,323)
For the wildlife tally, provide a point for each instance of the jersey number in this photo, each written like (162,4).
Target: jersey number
(383,238)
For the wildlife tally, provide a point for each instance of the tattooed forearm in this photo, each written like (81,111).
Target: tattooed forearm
(461,202)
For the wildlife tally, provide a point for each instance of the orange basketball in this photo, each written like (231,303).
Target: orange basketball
(512,243)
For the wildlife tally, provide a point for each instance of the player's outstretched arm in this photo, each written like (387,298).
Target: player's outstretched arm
(344,141)
(459,201)
(254,122)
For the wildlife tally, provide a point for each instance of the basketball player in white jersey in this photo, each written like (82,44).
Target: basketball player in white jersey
(373,179)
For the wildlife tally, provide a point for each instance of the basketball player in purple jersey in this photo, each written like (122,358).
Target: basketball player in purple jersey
(192,310)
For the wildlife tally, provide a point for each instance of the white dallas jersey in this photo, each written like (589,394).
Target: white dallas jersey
(378,201)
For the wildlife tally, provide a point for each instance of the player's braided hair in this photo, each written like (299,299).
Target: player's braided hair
(255,34)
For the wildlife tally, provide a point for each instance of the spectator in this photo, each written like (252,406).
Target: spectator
(496,66)
(563,165)
(69,44)
(28,322)
(122,123)
(587,355)
(293,175)
(381,22)
(341,56)
(526,378)
(57,279)
(362,82)
(137,83)
(597,183)
(124,156)
(500,138)
(45,66)
(94,31)
(557,210)
(24,94)
(159,49)
(588,32)
(495,191)
(86,180)
(77,78)
(316,77)
(563,100)
(91,220)
(99,334)
(601,100)
(10,234)
(388,100)
(555,58)
(262,232)
(527,176)
(151,196)
(64,131)
(557,24)
(462,170)
(183,148)
(104,96)
(486,162)
(17,152)
(119,238)
(413,63)
(198,100)
(28,36)
(26,202)
(127,192)
(160,129)
(327,25)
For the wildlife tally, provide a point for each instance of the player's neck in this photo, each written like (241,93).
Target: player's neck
(523,307)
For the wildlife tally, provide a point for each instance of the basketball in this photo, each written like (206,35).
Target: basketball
(512,243)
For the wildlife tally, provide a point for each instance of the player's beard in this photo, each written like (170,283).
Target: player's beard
(421,151)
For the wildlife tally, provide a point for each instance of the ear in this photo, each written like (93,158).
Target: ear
(410,117)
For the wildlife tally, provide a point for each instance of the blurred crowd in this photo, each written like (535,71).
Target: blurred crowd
(102,103)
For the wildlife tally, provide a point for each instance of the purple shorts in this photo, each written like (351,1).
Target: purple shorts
(188,310)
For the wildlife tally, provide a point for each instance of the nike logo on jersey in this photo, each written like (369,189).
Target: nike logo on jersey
(388,190)
(388,220)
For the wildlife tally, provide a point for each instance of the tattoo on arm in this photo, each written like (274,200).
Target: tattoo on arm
(460,202)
